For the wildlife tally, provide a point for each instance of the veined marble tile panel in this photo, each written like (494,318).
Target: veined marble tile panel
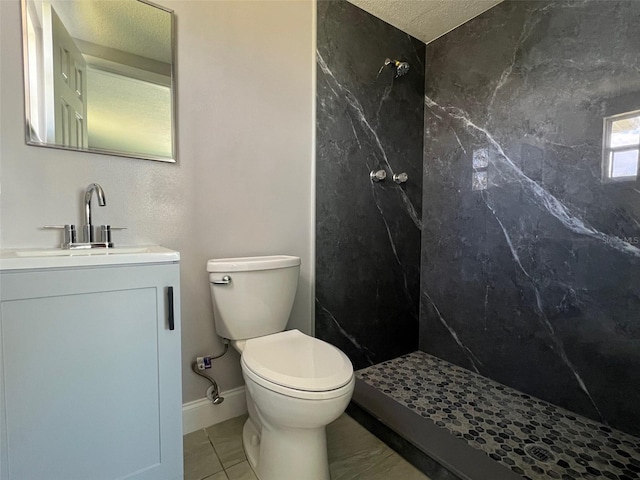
(530,274)
(367,233)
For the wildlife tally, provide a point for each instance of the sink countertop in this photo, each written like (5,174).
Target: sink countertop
(37,258)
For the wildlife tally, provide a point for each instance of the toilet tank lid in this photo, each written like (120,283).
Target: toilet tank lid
(247,264)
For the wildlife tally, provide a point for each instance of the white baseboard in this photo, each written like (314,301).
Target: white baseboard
(202,413)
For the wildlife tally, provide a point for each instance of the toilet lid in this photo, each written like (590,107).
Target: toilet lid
(295,360)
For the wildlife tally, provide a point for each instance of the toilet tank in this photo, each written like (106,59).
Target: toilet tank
(258,297)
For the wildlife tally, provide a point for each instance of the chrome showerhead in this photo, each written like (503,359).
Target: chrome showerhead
(401,67)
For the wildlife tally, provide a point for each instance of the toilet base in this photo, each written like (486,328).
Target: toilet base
(251,443)
(299,454)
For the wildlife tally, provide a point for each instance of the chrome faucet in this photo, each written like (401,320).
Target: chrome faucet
(87,229)
(88,232)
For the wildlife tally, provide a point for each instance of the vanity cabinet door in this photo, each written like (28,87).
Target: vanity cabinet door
(90,386)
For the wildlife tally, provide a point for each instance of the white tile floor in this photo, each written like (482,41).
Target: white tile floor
(216,453)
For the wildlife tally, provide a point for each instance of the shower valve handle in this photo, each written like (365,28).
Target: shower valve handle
(377,175)
(400,177)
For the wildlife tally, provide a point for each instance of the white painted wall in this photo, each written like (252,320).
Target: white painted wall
(244,181)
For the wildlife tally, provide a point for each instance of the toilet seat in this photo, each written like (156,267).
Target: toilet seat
(297,365)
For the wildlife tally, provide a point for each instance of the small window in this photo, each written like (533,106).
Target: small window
(621,147)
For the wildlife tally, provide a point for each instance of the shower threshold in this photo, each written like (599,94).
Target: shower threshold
(479,429)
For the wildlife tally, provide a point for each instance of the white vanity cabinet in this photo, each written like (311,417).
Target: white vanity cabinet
(90,385)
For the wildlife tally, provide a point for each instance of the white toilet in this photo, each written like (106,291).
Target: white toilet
(296,384)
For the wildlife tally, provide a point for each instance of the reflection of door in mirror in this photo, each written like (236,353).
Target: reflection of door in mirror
(65,92)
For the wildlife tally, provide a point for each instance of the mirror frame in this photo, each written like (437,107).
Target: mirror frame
(116,153)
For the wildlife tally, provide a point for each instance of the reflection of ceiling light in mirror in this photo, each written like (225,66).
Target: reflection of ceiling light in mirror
(128,115)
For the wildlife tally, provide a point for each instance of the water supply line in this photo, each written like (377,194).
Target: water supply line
(216,399)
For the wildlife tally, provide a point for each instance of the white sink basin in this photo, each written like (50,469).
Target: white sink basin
(62,252)
(21,259)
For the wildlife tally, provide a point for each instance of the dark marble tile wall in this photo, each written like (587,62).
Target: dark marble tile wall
(368,234)
(530,262)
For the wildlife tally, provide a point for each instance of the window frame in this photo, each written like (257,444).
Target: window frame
(608,150)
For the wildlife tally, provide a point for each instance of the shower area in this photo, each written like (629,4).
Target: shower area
(487,290)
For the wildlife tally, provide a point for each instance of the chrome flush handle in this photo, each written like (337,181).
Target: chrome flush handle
(226,280)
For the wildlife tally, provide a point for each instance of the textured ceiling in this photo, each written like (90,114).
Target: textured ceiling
(126,25)
(425,20)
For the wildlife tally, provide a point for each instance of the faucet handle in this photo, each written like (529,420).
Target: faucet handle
(69,233)
(105,232)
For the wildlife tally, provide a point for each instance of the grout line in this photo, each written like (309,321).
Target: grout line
(215,452)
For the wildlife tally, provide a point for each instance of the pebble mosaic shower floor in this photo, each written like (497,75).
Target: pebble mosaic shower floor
(533,438)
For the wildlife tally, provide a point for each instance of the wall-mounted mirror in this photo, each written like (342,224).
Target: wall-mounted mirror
(99,77)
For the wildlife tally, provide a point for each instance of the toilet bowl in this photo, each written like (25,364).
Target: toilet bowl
(296,384)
